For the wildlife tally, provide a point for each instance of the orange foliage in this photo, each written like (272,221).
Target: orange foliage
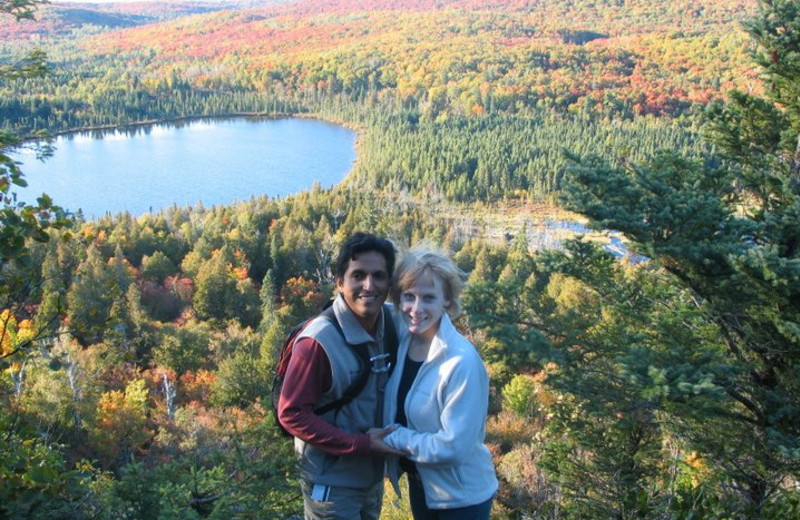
(121,427)
(660,56)
(195,386)
(304,293)
(13,333)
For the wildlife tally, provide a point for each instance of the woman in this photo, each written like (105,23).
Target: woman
(438,396)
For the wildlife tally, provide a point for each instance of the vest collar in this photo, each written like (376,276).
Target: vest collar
(354,333)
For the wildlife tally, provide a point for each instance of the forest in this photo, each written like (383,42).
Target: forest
(136,351)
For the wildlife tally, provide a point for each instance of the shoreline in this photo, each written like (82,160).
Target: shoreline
(144,129)
(153,122)
(176,121)
(496,220)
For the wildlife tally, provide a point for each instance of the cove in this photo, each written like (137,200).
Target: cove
(215,161)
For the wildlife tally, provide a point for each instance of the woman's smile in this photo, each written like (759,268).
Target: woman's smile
(422,305)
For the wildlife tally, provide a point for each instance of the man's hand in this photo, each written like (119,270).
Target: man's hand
(376,443)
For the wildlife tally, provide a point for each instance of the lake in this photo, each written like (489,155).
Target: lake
(213,161)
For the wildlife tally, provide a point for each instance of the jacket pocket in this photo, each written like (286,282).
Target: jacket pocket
(443,485)
(328,462)
(317,461)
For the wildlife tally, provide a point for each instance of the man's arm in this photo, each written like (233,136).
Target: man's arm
(308,376)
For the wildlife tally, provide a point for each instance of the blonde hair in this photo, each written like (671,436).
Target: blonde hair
(416,263)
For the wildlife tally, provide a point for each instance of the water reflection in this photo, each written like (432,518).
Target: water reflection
(215,161)
(160,128)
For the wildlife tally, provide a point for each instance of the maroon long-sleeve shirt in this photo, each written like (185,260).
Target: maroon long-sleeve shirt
(308,377)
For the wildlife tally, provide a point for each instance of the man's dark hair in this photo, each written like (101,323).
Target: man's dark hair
(363,243)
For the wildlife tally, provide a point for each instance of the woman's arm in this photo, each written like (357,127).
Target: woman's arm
(462,418)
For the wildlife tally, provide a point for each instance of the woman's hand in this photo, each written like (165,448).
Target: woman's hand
(376,443)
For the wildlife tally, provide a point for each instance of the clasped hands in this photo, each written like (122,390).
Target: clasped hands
(376,443)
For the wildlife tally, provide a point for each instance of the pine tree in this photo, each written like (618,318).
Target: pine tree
(216,288)
(728,236)
(90,298)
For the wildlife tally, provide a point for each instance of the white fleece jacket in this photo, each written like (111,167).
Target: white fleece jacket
(446,409)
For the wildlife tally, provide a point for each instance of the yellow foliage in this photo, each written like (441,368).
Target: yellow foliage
(698,469)
(567,292)
(693,460)
(9,328)
(14,334)
(121,425)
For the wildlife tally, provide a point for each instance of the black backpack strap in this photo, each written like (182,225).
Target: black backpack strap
(352,391)
(331,317)
(390,342)
(358,385)
(390,339)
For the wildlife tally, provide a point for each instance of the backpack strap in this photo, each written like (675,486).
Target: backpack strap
(390,338)
(391,343)
(329,315)
(356,386)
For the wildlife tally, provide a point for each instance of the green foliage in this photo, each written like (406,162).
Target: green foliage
(220,295)
(663,389)
(520,395)
(241,379)
(684,218)
(21,222)
(502,311)
(91,296)
(243,375)
(604,432)
(37,482)
(45,395)
(238,468)
(134,495)
(157,267)
(182,348)
(121,425)
(719,370)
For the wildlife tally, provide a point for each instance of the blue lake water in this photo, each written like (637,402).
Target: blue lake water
(213,161)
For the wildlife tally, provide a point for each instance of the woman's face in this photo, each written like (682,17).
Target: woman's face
(422,305)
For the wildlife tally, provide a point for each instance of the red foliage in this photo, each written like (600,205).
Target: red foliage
(182,287)
(299,292)
(650,56)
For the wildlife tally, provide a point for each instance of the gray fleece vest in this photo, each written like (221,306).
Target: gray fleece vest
(358,416)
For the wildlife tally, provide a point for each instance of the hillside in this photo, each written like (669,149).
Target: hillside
(655,57)
(492,91)
(136,351)
(606,57)
(61,19)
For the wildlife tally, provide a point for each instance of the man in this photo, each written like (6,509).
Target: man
(341,465)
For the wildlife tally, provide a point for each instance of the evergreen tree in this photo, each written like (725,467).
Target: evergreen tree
(216,288)
(90,297)
(728,236)
(53,290)
(157,266)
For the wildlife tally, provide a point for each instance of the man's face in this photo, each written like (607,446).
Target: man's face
(365,286)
